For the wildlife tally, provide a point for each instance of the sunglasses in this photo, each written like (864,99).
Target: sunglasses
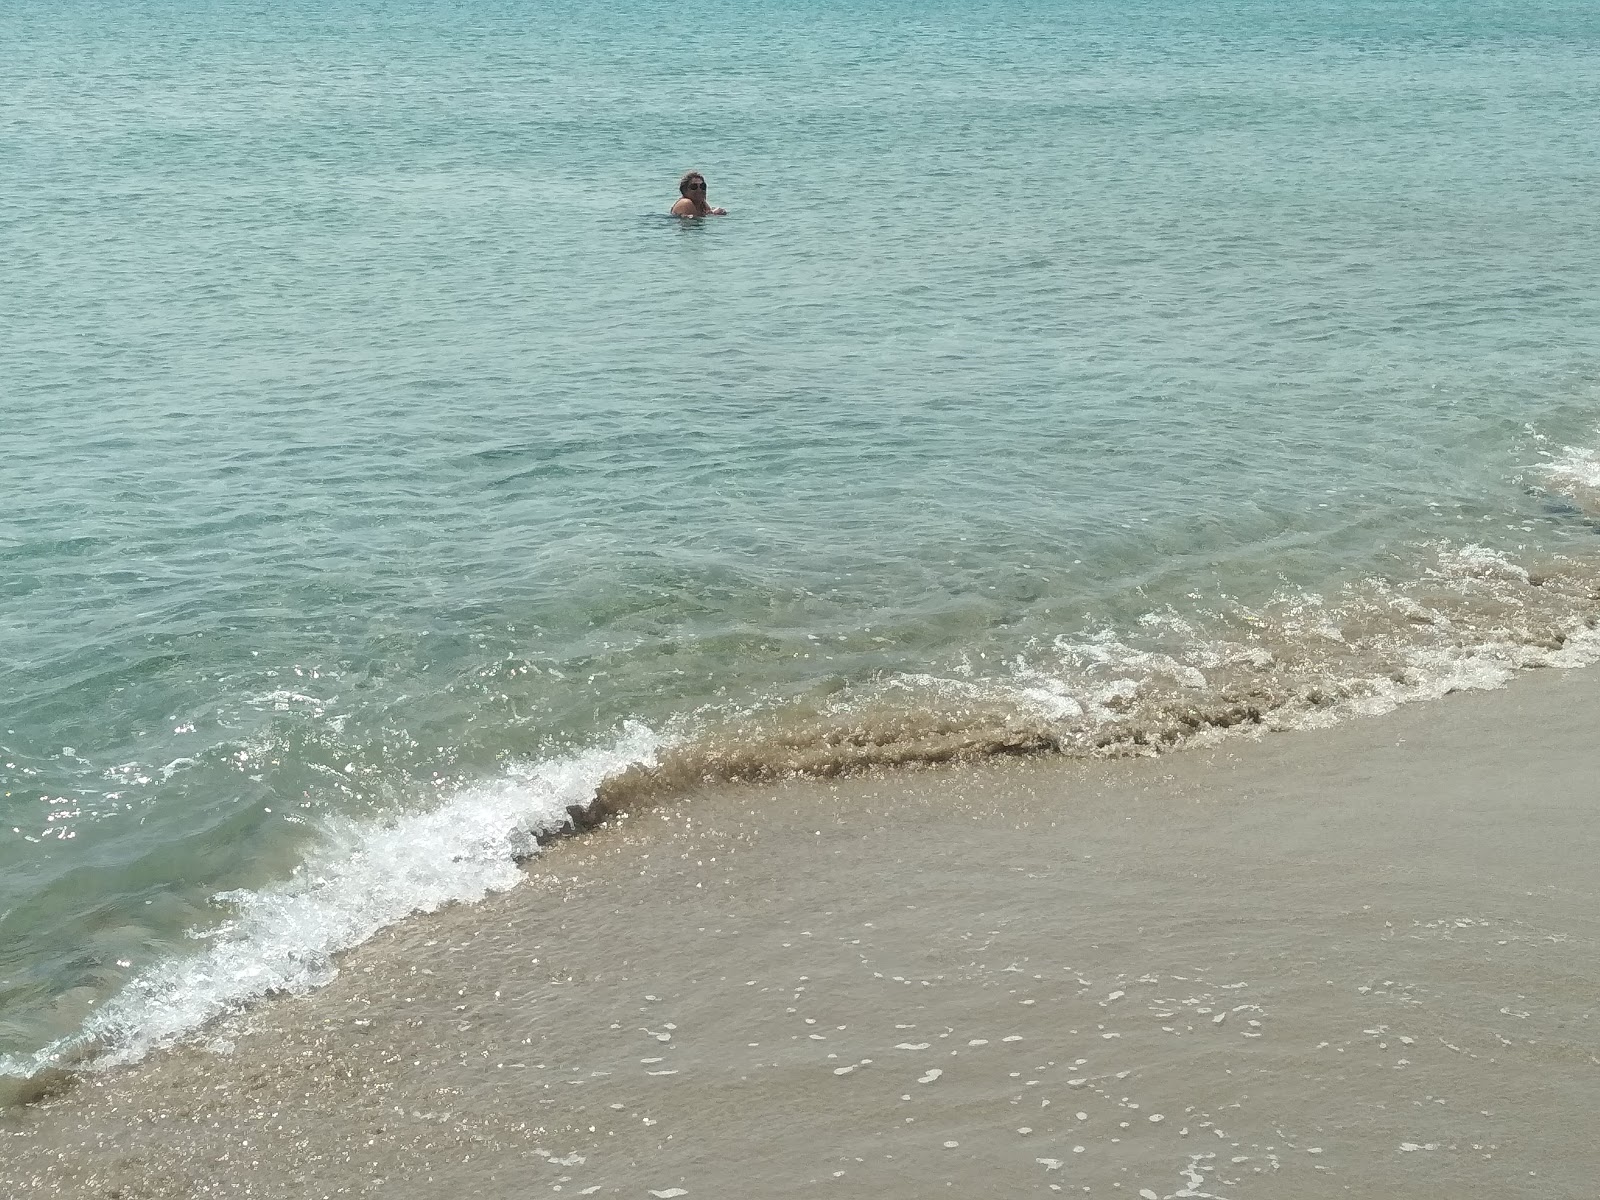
(697,187)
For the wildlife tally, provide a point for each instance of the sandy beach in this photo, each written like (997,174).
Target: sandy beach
(1358,962)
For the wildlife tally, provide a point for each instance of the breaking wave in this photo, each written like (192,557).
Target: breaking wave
(1574,472)
(361,878)
(1470,618)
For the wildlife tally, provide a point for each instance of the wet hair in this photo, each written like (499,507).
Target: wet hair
(683,184)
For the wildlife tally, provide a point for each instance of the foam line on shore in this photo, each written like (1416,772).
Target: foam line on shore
(362,877)
(1472,620)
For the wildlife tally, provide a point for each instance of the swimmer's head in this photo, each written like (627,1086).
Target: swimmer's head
(693,183)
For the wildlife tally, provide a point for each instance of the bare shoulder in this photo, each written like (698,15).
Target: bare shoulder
(683,208)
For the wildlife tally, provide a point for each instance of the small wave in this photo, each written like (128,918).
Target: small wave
(794,743)
(1469,618)
(361,878)
(1574,472)
(1470,621)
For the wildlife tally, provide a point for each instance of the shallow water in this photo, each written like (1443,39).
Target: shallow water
(1087,378)
(1353,963)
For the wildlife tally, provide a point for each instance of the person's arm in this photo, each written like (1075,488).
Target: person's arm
(719,212)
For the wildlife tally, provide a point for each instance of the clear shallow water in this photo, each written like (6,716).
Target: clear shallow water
(1064,376)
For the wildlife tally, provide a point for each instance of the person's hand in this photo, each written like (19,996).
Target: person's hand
(719,212)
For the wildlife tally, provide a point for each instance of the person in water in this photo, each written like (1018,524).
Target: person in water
(692,189)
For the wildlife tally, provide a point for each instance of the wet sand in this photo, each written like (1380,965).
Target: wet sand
(1358,962)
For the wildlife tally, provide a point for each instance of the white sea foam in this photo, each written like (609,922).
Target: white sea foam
(1574,471)
(1472,621)
(1430,651)
(1470,618)
(360,878)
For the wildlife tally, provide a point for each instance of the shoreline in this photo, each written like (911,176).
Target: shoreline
(1402,905)
(1482,619)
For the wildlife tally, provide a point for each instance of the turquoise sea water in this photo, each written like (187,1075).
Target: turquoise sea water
(380,469)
